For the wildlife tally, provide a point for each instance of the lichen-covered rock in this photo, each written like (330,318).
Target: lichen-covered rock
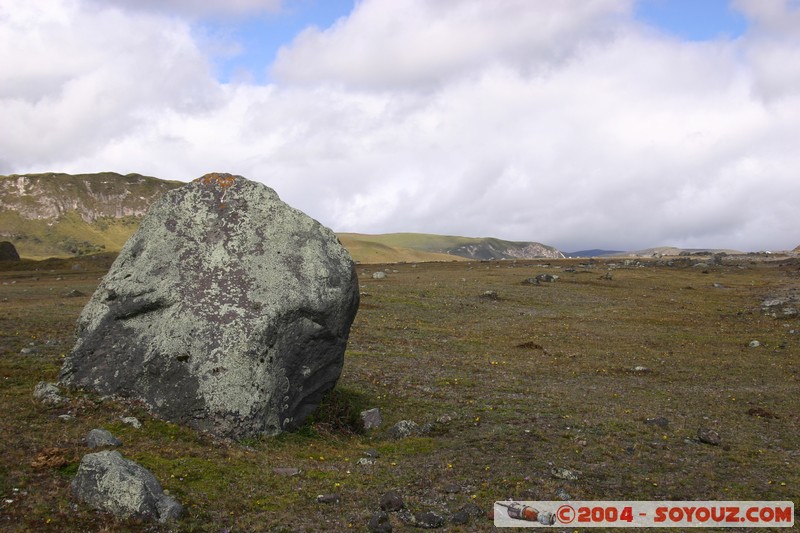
(228,311)
(109,482)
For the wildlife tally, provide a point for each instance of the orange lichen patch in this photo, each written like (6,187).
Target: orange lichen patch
(223,180)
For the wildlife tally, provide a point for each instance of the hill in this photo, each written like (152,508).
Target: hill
(63,215)
(395,247)
(56,215)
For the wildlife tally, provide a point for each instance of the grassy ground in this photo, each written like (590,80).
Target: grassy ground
(556,375)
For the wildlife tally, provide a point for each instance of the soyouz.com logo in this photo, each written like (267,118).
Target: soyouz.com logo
(644,514)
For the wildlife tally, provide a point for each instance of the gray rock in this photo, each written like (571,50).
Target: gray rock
(754,344)
(564,473)
(659,421)
(109,482)
(490,295)
(459,517)
(286,471)
(379,275)
(131,421)
(547,278)
(403,429)
(709,436)
(329,498)
(391,502)
(365,461)
(97,438)
(428,520)
(379,523)
(227,311)
(372,418)
(48,393)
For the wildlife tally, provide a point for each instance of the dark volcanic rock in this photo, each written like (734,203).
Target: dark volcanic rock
(228,311)
(8,252)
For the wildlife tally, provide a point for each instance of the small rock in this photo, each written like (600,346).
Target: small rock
(131,421)
(372,418)
(444,419)
(365,461)
(28,351)
(641,369)
(562,494)
(760,412)
(530,281)
(328,498)
(392,502)
(564,473)
(373,453)
(74,293)
(97,438)
(659,421)
(490,295)
(452,488)
(428,520)
(286,471)
(48,393)
(403,429)
(66,417)
(109,482)
(459,518)
(754,344)
(471,510)
(379,523)
(709,436)
(379,275)
(548,278)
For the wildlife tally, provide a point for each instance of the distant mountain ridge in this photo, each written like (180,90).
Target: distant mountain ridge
(57,215)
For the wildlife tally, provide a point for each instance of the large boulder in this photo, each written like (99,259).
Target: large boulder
(8,252)
(228,311)
(109,482)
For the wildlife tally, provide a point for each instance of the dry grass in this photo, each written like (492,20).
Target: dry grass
(545,376)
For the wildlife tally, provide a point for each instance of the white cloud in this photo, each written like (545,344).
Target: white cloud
(568,125)
(198,8)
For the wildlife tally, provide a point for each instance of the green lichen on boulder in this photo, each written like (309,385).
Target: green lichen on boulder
(228,311)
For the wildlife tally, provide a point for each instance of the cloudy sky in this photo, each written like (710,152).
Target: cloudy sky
(618,124)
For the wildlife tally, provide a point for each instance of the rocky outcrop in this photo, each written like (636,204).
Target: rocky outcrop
(92,196)
(8,252)
(109,482)
(489,248)
(227,310)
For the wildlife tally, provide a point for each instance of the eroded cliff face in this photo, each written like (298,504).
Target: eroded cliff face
(92,196)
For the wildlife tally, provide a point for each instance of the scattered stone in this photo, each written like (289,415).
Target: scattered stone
(403,429)
(460,517)
(29,351)
(392,502)
(329,498)
(428,520)
(563,495)
(97,438)
(444,419)
(66,417)
(718,285)
(607,276)
(131,421)
(530,281)
(365,461)
(709,436)
(8,252)
(372,418)
(472,510)
(286,471)
(109,482)
(754,344)
(760,412)
(659,421)
(48,393)
(452,488)
(564,473)
(373,453)
(379,275)
(641,369)
(227,311)
(490,295)
(74,293)
(547,278)
(379,523)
